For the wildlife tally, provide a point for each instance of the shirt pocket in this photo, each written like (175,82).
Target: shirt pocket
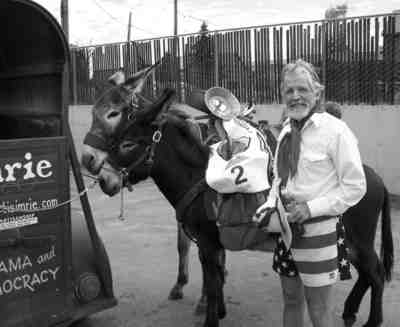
(315,160)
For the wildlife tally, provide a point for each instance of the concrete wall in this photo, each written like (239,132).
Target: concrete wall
(80,119)
(376,127)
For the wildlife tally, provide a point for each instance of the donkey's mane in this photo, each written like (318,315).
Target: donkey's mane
(192,150)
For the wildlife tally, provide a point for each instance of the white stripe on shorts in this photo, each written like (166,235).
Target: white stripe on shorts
(314,255)
(318,280)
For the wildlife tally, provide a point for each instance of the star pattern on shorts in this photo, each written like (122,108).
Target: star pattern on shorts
(284,263)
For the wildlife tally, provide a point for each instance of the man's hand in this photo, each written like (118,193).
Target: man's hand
(261,212)
(298,212)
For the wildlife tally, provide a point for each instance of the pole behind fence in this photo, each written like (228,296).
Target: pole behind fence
(216,60)
(74,78)
(323,46)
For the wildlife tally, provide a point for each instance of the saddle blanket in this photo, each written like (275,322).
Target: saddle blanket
(248,170)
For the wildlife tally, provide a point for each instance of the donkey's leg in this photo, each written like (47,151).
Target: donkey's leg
(223,263)
(376,278)
(202,304)
(370,274)
(210,256)
(353,301)
(183,267)
(222,272)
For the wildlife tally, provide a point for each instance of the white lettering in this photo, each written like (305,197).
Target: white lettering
(27,262)
(3,267)
(14,265)
(42,278)
(15,283)
(7,286)
(26,278)
(10,171)
(35,279)
(43,164)
(28,167)
(54,272)
(46,256)
(27,281)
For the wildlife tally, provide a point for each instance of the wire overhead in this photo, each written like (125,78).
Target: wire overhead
(118,20)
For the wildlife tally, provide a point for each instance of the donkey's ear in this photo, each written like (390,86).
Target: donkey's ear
(136,82)
(117,78)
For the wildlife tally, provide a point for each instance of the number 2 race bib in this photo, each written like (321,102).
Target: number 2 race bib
(247,170)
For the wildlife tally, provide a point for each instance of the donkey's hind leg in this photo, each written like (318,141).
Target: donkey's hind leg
(370,275)
(353,301)
(184,242)
(376,279)
(213,277)
(201,306)
(222,272)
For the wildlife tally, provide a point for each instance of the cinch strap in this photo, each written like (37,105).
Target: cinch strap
(188,198)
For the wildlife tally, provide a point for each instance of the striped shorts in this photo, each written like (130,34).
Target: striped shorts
(314,255)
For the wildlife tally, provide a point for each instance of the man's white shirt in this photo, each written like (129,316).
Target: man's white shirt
(330,176)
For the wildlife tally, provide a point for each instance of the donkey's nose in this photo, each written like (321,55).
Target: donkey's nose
(88,160)
(92,159)
(110,190)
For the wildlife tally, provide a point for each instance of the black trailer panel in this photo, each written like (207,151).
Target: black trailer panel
(54,268)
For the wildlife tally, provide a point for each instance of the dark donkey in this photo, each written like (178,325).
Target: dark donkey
(153,141)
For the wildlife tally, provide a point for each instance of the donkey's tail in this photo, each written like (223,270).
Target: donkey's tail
(386,238)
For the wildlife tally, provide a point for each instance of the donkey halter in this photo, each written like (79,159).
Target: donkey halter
(109,146)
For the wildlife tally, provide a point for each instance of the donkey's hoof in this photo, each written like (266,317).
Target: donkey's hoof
(176,293)
(221,313)
(349,321)
(201,307)
(373,324)
(211,324)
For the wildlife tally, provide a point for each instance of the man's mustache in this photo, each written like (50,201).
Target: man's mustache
(292,104)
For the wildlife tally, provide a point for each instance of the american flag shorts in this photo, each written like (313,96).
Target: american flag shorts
(318,256)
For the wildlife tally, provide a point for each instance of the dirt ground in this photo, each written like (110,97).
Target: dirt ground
(143,255)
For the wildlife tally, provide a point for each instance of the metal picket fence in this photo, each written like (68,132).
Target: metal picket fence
(357,58)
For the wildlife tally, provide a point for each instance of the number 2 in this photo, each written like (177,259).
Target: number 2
(239,179)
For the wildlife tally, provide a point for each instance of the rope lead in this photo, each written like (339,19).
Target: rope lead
(121,181)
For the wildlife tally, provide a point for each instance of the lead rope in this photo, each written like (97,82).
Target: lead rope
(5,209)
(122,174)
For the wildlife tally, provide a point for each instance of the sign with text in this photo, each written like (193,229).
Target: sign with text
(34,221)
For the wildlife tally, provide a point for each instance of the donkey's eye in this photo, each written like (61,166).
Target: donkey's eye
(127,146)
(113,114)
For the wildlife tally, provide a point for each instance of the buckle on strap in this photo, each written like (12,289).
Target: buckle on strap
(157,136)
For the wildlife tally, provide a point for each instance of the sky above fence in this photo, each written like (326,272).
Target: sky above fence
(106,21)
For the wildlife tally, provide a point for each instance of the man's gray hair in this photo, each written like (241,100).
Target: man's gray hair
(309,68)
